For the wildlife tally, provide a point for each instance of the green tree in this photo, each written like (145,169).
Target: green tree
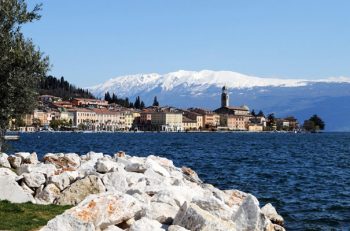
(142,105)
(315,123)
(22,64)
(155,102)
(253,113)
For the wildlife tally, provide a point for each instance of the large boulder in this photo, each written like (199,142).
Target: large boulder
(15,161)
(153,165)
(48,195)
(214,206)
(34,179)
(146,224)
(4,161)
(80,189)
(115,181)
(105,165)
(28,158)
(96,212)
(69,161)
(62,181)
(270,212)
(249,216)
(7,172)
(46,169)
(192,217)
(10,190)
(162,212)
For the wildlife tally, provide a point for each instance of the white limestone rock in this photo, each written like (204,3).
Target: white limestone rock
(115,181)
(32,159)
(97,212)
(105,165)
(70,161)
(34,179)
(67,222)
(161,212)
(192,217)
(80,189)
(214,206)
(249,216)
(151,164)
(94,155)
(27,189)
(145,224)
(62,181)
(48,195)
(270,212)
(136,167)
(46,169)
(12,191)
(176,228)
(4,161)
(15,161)
(23,155)
(7,172)
(113,228)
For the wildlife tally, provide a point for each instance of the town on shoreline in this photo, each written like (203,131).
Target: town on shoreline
(96,115)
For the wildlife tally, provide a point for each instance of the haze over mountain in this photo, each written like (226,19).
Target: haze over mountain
(329,98)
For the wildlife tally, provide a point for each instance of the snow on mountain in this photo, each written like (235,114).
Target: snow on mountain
(329,98)
(197,82)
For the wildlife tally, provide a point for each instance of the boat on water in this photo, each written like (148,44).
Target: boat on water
(11,137)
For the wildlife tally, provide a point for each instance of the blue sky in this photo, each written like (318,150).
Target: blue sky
(89,42)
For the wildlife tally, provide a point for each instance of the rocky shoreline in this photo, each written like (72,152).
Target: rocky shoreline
(123,192)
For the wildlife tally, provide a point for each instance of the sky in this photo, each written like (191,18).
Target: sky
(89,42)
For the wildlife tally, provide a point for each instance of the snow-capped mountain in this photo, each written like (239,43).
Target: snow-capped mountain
(329,97)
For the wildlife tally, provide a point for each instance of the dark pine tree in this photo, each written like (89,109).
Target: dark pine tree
(155,101)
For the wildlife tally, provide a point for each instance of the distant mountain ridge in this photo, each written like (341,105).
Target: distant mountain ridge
(300,97)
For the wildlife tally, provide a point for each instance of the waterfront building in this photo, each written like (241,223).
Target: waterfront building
(194,116)
(255,127)
(167,121)
(233,122)
(108,120)
(209,118)
(84,117)
(189,124)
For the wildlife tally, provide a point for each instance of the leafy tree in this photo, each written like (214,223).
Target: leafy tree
(155,102)
(253,113)
(261,114)
(22,64)
(108,97)
(137,103)
(36,122)
(142,105)
(271,120)
(315,123)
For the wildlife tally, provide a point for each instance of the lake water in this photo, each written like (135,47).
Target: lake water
(305,176)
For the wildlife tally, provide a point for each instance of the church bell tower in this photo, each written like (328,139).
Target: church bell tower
(224,97)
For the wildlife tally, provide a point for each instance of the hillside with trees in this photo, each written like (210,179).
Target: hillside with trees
(59,87)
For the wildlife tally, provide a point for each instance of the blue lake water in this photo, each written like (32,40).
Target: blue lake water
(305,176)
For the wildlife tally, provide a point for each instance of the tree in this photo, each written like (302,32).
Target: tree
(22,64)
(142,105)
(253,113)
(261,114)
(155,102)
(137,103)
(315,123)
(271,120)
(108,97)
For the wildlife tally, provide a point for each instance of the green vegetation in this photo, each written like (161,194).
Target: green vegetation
(22,64)
(314,124)
(59,87)
(27,216)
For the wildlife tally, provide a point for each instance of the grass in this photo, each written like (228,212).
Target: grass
(27,216)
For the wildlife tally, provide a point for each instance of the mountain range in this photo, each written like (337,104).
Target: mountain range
(329,98)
